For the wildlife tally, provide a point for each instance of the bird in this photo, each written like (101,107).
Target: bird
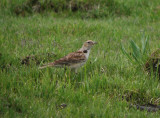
(75,59)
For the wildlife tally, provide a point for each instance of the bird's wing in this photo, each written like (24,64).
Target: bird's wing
(72,58)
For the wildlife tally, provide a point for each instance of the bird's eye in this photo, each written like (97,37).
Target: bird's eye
(88,42)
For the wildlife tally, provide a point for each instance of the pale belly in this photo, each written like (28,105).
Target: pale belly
(74,66)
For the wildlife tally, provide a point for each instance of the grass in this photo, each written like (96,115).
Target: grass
(100,89)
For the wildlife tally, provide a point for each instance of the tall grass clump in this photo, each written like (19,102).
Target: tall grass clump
(138,54)
(81,8)
(84,8)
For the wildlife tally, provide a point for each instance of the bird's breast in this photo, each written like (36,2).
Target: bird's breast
(87,54)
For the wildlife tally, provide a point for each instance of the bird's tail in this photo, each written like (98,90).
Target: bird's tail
(47,65)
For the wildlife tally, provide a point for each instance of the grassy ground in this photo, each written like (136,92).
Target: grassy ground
(104,87)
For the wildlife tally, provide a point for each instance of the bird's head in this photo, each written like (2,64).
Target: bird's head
(88,44)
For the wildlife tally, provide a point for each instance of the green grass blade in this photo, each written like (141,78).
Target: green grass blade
(125,53)
(144,45)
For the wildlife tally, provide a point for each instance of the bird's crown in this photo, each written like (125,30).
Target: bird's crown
(88,44)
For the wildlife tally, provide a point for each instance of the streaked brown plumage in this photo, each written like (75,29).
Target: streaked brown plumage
(73,60)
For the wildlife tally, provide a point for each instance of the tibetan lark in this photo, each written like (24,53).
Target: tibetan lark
(73,60)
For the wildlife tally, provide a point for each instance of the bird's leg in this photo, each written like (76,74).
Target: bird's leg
(65,68)
(72,69)
(75,70)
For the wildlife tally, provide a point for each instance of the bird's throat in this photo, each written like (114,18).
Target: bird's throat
(86,52)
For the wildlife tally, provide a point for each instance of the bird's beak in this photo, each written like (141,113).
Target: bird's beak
(94,43)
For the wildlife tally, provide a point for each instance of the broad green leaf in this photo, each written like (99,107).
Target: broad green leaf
(125,53)
(136,49)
